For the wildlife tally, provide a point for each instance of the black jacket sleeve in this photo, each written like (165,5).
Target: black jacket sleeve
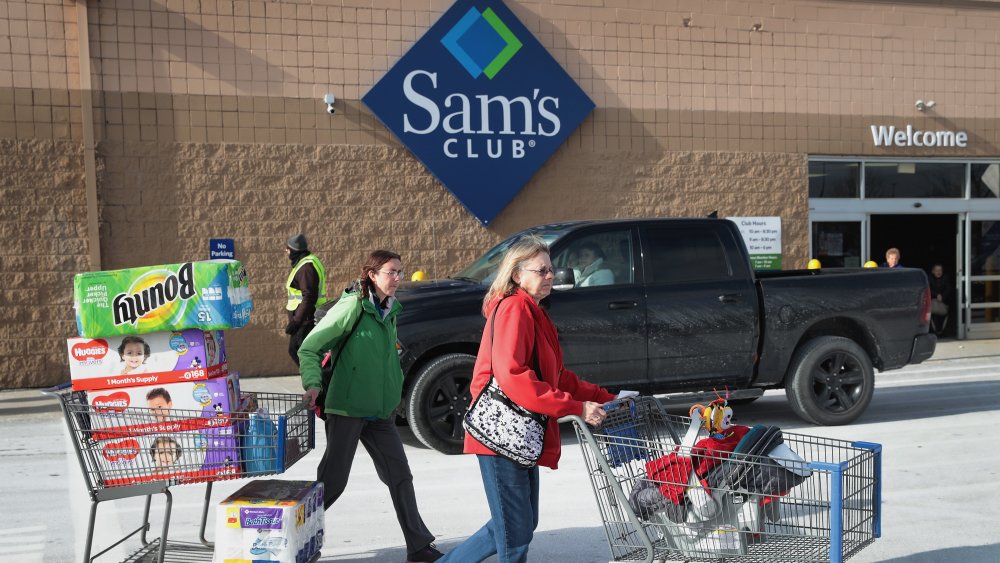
(307,281)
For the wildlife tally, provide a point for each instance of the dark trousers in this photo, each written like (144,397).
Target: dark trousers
(382,442)
(296,339)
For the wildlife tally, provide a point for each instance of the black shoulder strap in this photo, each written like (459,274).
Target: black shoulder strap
(534,353)
(343,344)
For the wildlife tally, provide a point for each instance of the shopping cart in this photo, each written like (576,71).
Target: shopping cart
(818,500)
(131,452)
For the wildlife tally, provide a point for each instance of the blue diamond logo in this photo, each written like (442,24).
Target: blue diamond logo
(481,103)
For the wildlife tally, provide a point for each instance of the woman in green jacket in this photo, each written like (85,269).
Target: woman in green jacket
(366,387)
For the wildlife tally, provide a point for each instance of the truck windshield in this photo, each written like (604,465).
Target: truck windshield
(484,268)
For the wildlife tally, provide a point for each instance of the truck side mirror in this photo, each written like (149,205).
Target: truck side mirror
(564,279)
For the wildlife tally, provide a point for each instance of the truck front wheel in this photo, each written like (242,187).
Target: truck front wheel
(831,381)
(438,400)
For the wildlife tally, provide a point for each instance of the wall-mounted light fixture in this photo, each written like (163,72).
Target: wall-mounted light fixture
(329,100)
(756,27)
(922,105)
(686,22)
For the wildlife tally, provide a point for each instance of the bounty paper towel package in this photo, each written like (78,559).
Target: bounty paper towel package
(270,520)
(149,359)
(209,295)
(172,407)
(183,457)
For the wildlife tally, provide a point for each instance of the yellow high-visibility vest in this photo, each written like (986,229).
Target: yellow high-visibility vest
(295,295)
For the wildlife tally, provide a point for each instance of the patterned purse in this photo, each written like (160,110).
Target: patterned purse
(504,426)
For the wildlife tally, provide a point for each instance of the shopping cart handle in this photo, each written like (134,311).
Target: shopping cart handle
(55,390)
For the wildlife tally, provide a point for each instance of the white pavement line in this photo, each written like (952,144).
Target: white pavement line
(24,549)
(20,531)
(983,378)
(995,367)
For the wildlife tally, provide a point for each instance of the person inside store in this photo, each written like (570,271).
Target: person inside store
(940,297)
(892,259)
(520,350)
(365,388)
(591,268)
(306,287)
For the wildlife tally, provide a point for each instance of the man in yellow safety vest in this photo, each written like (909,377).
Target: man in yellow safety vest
(306,287)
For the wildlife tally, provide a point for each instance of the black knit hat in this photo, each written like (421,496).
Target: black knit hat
(298,242)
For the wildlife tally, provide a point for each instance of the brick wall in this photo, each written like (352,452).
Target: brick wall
(208,123)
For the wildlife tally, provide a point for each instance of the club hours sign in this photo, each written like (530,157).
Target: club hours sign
(762,236)
(481,103)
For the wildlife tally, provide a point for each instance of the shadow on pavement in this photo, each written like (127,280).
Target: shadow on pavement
(971,554)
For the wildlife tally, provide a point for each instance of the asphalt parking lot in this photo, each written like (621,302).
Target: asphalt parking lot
(940,476)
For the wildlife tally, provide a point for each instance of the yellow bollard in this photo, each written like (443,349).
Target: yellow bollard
(814,264)
(418,276)
(871,264)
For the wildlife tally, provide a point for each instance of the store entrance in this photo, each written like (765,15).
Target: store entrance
(922,240)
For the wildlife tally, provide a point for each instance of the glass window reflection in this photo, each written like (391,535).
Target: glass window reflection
(834,179)
(914,179)
(985,177)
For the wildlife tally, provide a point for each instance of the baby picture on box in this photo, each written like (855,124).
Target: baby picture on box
(148,359)
(180,456)
(152,409)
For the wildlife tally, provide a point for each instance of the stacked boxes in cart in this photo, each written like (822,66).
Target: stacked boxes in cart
(270,520)
(151,358)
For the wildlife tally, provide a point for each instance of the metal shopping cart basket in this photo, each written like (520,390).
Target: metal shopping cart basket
(811,499)
(130,452)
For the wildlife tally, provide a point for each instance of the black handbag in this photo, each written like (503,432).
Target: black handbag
(505,427)
(327,364)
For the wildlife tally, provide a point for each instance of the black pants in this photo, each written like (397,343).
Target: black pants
(382,442)
(296,339)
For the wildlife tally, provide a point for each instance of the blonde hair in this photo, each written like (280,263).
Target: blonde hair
(503,284)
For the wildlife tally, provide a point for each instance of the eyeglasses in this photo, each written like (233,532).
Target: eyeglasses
(544,272)
(398,274)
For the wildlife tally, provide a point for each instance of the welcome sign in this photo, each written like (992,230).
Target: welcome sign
(480,103)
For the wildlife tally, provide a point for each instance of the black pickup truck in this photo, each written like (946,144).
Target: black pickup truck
(673,305)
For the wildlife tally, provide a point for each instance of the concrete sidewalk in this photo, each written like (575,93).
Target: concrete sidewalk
(30,401)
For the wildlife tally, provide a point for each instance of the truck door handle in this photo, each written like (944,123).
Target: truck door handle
(729,298)
(622,305)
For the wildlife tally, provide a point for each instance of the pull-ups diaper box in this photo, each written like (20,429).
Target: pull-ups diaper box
(150,359)
(207,295)
(270,520)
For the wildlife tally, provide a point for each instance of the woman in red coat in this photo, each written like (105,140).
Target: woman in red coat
(523,333)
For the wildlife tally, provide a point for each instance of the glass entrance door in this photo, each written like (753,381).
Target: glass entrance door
(838,241)
(981,277)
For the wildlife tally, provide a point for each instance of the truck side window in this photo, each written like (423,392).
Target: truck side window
(599,258)
(679,255)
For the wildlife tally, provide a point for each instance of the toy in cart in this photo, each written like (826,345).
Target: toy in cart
(703,488)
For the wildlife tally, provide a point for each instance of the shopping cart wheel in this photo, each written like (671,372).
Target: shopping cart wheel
(831,381)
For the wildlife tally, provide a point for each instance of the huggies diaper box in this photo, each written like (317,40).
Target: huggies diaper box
(181,457)
(208,295)
(149,359)
(157,409)
(270,520)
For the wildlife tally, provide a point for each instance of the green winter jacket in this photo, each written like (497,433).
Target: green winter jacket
(367,380)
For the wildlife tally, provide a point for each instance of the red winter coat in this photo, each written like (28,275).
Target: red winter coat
(519,323)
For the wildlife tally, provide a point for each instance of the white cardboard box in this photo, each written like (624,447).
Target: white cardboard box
(270,520)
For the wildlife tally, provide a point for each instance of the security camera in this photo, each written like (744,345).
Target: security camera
(329,99)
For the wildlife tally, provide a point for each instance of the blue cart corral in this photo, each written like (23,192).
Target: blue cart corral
(808,499)
(130,452)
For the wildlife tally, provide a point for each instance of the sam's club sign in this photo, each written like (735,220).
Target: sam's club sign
(481,103)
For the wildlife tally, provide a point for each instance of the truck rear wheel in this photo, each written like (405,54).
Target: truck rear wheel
(438,400)
(831,381)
